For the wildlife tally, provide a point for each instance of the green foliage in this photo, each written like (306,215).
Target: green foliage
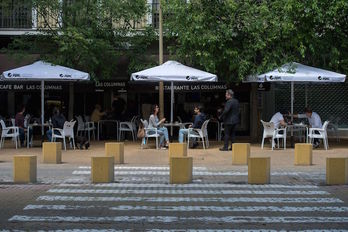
(237,38)
(90,35)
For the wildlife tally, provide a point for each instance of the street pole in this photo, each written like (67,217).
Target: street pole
(161,87)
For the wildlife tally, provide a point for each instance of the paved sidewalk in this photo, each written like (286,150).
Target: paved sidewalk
(219,198)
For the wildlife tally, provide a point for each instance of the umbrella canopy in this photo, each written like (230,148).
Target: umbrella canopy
(172,71)
(295,72)
(43,71)
(40,70)
(298,73)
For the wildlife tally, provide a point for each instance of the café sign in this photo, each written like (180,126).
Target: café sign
(195,87)
(29,87)
(110,84)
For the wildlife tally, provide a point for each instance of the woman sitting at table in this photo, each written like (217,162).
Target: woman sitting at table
(154,122)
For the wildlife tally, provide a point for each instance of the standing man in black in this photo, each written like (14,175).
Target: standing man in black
(230,117)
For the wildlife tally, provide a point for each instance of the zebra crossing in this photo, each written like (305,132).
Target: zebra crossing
(141,199)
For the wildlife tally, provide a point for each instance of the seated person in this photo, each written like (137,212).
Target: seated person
(314,121)
(154,122)
(278,119)
(199,119)
(97,114)
(19,122)
(58,121)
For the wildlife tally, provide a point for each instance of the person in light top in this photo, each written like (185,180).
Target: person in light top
(154,122)
(278,119)
(314,121)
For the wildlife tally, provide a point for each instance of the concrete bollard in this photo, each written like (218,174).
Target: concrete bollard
(177,150)
(259,169)
(180,170)
(116,150)
(240,153)
(24,168)
(336,171)
(52,152)
(102,169)
(303,154)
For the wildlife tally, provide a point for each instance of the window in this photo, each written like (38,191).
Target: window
(15,14)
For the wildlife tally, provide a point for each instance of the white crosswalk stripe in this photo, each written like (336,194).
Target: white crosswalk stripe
(199,206)
(170,219)
(192,199)
(125,172)
(192,208)
(185,186)
(187,192)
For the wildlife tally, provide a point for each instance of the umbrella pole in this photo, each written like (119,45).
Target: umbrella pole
(171,106)
(42,108)
(306,95)
(292,113)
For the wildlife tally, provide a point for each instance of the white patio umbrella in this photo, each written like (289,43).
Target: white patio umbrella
(299,73)
(173,71)
(43,71)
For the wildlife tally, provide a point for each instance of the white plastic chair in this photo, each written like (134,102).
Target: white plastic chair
(322,134)
(200,134)
(128,127)
(89,127)
(80,125)
(9,132)
(13,121)
(67,131)
(150,133)
(83,127)
(269,131)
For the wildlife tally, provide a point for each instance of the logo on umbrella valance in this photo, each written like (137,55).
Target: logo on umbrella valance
(320,78)
(191,78)
(64,75)
(13,75)
(141,77)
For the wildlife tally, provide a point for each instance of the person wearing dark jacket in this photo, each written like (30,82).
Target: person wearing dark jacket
(58,121)
(199,119)
(230,117)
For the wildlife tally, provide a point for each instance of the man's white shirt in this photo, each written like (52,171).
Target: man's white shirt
(314,120)
(277,117)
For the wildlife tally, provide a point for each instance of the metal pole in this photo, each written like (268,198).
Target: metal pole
(71,101)
(292,113)
(171,101)
(161,87)
(306,95)
(292,100)
(171,106)
(42,107)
